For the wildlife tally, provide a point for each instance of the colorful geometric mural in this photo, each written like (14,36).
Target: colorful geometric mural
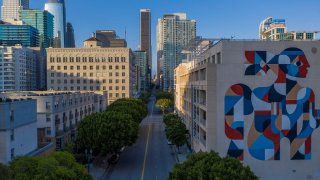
(284,109)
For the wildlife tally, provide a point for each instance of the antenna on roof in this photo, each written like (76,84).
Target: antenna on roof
(125,33)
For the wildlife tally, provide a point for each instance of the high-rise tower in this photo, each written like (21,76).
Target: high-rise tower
(58,10)
(174,32)
(10,8)
(70,42)
(145,39)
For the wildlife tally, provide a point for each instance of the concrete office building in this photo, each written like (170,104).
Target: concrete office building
(109,38)
(70,41)
(276,29)
(58,10)
(18,128)
(58,113)
(256,101)
(141,61)
(145,39)
(10,8)
(92,68)
(15,32)
(43,22)
(18,69)
(174,32)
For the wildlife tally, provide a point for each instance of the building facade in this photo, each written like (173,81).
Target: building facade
(58,10)
(59,113)
(13,34)
(18,69)
(141,61)
(276,29)
(43,22)
(109,38)
(174,32)
(92,68)
(145,39)
(70,41)
(10,8)
(256,101)
(18,128)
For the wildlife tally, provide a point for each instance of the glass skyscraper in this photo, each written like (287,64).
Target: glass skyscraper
(141,70)
(174,32)
(70,42)
(43,22)
(57,9)
(26,35)
(10,8)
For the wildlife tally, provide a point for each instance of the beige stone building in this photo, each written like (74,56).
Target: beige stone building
(92,68)
(257,101)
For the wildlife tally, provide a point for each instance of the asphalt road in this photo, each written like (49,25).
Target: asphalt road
(150,158)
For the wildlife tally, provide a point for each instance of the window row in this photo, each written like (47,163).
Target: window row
(85,81)
(84,88)
(86,59)
(86,67)
(87,74)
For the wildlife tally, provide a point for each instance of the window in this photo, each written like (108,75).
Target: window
(78,67)
(110,67)
(58,67)
(110,94)
(91,74)
(104,81)
(52,68)
(84,59)
(123,74)
(110,74)
(109,59)
(117,74)
(12,154)
(117,67)
(71,67)
(91,67)
(12,135)
(84,67)
(48,119)
(104,88)
(219,58)
(123,95)
(123,88)
(52,81)
(97,67)
(123,59)
(110,80)
(104,67)
(110,88)
(117,94)
(77,59)
(123,67)
(84,74)
(65,81)
(48,131)
(52,74)
(117,88)
(117,80)
(65,59)
(123,81)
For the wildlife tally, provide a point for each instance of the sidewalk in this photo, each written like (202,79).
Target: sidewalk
(184,152)
(99,167)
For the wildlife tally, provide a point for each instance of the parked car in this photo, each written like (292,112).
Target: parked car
(114,159)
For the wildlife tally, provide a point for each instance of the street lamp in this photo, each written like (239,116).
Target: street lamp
(88,154)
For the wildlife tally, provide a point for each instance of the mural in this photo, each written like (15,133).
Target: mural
(284,109)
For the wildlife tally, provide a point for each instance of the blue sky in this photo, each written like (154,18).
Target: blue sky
(215,18)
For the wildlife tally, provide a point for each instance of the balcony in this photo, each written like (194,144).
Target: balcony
(57,121)
(203,122)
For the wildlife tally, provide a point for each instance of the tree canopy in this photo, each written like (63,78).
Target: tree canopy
(163,104)
(209,165)
(58,165)
(113,129)
(175,129)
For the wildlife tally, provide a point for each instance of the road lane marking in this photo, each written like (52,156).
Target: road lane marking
(145,154)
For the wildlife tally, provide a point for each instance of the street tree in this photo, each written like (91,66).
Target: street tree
(209,165)
(176,133)
(58,165)
(163,104)
(5,173)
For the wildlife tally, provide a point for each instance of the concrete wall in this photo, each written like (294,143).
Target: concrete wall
(232,71)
